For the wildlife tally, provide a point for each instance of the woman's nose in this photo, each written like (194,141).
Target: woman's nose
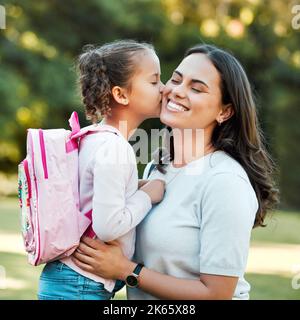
(178,90)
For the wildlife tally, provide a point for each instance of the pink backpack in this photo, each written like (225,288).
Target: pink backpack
(52,224)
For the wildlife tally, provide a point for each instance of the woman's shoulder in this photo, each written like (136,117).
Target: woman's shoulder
(228,189)
(221,163)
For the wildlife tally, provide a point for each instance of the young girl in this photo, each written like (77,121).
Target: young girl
(120,82)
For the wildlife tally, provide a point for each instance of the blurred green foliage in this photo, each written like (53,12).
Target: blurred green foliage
(42,38)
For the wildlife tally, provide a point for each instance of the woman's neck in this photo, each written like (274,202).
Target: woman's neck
(190,145)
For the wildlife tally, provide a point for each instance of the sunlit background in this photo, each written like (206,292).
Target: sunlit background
(38,88)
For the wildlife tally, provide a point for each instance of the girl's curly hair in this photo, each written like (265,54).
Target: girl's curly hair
(102,68)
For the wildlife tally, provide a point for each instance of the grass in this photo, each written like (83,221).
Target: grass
(271,287)
(9,216)
(282,227)
(22,278)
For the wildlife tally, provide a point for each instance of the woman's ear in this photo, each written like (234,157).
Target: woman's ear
(226,113)
(120,95)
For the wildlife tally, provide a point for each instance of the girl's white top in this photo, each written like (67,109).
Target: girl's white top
(108,183)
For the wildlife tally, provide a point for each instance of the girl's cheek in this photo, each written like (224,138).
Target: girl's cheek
(167,89)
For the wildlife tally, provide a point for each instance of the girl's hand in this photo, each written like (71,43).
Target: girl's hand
(155,189)
(102,259)
(142,182)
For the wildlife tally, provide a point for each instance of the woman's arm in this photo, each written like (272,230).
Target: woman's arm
(108,261)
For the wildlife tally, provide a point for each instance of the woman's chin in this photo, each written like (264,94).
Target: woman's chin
(168,120)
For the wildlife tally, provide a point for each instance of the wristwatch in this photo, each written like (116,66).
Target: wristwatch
(132,280)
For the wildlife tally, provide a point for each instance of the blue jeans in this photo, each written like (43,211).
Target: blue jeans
(59,282)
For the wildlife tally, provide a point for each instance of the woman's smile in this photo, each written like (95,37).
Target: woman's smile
(176,107)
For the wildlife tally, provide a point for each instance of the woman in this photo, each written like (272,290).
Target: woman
(195,243)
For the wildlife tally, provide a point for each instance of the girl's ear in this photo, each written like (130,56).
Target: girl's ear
(120,95)
(226,113)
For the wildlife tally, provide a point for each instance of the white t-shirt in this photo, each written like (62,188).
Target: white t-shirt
(203,224)
(109,186)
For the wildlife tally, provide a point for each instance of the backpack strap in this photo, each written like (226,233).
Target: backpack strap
(72,144)
(74,123)
(77,132)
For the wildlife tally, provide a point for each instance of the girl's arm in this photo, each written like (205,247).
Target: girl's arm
(108,261)
(114,213)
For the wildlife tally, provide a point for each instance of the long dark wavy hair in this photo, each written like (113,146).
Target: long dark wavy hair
(240,136)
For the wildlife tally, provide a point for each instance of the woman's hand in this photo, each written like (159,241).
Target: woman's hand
(108,261)
(102,259)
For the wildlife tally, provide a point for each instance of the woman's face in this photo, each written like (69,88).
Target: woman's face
(192,97)
(146,87)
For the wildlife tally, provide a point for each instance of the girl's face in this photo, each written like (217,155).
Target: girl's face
(192,97)
(146,87)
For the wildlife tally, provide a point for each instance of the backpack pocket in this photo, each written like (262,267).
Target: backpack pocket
(25,196)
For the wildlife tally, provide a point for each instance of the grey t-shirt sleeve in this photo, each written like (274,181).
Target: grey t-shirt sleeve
(229,206)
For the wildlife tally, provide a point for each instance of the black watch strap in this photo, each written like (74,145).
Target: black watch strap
(132,280)
(138,269)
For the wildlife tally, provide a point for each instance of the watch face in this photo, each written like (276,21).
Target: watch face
(131,281)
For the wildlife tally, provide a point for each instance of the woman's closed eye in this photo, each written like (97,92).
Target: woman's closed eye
(197,90)
(175,81)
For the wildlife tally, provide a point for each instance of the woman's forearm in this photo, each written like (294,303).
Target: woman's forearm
(108,261)
(168,287)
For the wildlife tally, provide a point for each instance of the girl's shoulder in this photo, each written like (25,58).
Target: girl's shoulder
(105,138)
(106,147)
